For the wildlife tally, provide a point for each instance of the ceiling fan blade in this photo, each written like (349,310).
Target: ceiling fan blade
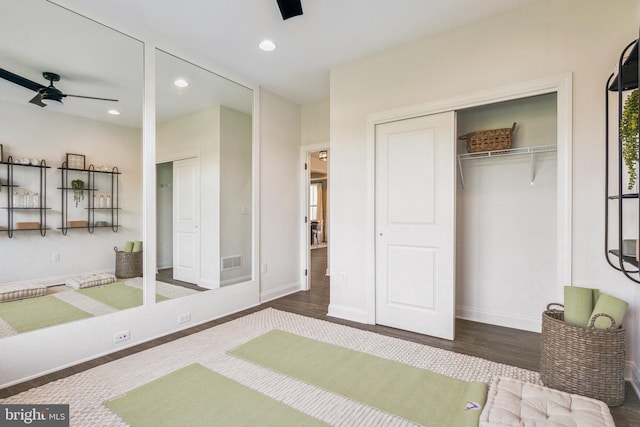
(37,100)
(290,8)
(90,97)
(21,81)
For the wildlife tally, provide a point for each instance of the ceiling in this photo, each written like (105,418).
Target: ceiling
(225,33)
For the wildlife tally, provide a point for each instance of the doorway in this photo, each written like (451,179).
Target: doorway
(315,245)
(178,220)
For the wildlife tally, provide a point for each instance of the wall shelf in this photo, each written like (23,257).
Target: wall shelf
(110,210)
(36,203)
(531,151)
(626,78)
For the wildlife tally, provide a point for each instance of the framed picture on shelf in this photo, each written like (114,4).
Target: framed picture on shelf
(75,161)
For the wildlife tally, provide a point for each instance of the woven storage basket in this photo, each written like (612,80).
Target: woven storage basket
(489,140)
(128,264)
(582,360)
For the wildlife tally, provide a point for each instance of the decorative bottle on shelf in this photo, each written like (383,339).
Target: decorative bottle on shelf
(102,201)
(36,200)
(16,199)
(26,200)
(108,200)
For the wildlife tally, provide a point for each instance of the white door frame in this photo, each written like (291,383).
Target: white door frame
(305,242)
(559,84)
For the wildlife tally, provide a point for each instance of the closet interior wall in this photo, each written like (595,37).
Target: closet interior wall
(506,233)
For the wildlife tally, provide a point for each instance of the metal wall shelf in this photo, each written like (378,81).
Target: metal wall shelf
(41,209)
(531,151)
(626,78)
(90,204)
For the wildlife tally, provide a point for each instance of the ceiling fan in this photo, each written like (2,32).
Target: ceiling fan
(290,8)
(45,95)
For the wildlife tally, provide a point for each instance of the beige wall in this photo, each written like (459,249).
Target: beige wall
(545,38)
(279,198)
(314,123)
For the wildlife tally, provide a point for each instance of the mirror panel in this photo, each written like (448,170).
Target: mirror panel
(204,176)
(92,61)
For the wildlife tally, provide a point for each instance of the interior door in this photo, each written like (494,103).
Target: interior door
(415,224)
(186,220)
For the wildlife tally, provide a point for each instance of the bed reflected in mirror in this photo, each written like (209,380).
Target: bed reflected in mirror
(203,177)
(71,174)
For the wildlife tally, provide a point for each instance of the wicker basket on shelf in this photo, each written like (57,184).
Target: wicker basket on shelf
(582,360)
(128,264)
(489,140)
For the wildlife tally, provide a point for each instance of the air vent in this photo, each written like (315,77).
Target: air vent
(232,263)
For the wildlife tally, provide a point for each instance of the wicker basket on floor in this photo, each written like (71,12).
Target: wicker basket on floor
(128,264)
(489,140)
(582,360)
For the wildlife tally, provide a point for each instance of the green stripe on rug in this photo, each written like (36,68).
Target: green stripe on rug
(39,312)
(118,295)
(418,395)
(197,396)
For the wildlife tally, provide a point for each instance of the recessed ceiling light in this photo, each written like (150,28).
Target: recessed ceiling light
(267,45)
(181,83)
(114,112)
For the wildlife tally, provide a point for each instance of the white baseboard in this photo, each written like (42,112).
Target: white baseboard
(280,291)
(235,280)
(348,313)
(508,320)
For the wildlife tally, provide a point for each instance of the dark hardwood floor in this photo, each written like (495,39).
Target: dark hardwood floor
(499,344)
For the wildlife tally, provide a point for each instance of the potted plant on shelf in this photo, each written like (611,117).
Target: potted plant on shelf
(629,136)
(77,185)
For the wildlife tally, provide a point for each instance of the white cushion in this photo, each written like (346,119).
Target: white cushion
(87,281)
(21,291)
(515,403)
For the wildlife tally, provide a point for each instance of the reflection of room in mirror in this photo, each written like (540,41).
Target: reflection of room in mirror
(104,64)
(204,171)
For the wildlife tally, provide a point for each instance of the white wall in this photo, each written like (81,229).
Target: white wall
(314,123)
(37,133)
(542,39)
(279,198)
(235,191)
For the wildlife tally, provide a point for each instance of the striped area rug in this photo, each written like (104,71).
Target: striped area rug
(86,391)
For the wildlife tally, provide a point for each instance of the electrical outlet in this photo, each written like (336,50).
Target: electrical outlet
(264,267)
(343,277)
(55,257)
(184,318)
(121,336)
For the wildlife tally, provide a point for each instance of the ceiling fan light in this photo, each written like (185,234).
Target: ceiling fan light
(322,155)
(51,101)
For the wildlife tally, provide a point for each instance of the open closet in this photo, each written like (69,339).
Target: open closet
(506,220)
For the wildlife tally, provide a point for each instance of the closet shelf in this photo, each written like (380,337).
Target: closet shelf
(625,196)
(631,260)
(531,151)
